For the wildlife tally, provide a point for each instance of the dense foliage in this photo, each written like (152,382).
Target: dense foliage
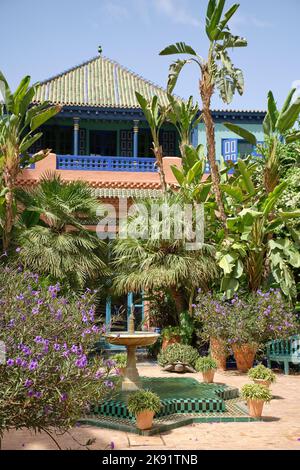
(256,392)
(261,372)
(204,364)
(49,378)
(143,400)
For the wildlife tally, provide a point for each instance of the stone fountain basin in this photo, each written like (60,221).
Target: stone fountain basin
(139,338)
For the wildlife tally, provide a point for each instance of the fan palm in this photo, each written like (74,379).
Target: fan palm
(157,263)
(53,239)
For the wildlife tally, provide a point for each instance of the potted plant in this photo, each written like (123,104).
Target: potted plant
(256,396)
(144,404)
(121,362)
(262,375)
(208,367)
(178,358)
(170,335)
(210,316)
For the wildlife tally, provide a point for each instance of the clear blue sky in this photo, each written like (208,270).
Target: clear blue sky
(45,37)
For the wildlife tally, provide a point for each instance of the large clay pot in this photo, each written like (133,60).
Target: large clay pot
(255,408)
(168,342)
(144,420)
(218,352)
(208,376)
(244,355)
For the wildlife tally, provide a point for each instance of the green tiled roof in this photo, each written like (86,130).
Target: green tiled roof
(100,82)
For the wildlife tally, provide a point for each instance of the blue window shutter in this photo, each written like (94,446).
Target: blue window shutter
(230,150)
(254,153)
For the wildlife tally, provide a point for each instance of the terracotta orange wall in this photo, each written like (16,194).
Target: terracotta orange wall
(93,177)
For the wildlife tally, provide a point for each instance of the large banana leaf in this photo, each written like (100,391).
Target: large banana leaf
(178,48)
(240,131)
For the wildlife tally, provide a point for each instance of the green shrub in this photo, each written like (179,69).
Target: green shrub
(143,400)
(204,364)
(262,373)
(120,360)
(170,332)
(256,392)
(178,353)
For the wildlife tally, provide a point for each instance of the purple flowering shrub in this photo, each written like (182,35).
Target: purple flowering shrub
(258,317)
(49,378)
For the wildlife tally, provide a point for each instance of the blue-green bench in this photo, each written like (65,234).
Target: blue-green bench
(285,351)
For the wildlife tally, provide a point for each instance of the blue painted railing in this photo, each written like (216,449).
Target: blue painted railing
(89,163)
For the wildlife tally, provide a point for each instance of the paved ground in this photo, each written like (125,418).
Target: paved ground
(280,428)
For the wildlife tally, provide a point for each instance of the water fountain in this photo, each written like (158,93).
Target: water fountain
(132,339)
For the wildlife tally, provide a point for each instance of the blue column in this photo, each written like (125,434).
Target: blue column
(76,136)
(136,139)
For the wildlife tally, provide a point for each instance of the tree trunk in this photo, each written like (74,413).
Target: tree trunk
(9,212)
(206,91)
(179,300)
(158,152)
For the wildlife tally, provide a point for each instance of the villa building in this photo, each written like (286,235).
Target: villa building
(101,136)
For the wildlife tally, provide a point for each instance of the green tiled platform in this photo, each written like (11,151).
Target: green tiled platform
(184,401)
(236,411)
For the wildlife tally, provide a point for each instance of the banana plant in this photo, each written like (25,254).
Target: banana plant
(155,115)
(250,253)
(216,72)
(20,121)
(278,131)
(185,116)
(190,177)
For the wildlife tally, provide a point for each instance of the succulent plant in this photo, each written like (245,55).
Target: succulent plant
(261,372)
(256,392)
(204,364)
(143,400)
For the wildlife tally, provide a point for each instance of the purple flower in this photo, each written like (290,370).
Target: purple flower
(38,394)
(99,374)
(35,311)
(64,397)
(33,365)
(18,250)
(20,297)
(74,349)
(82,362)
(18,361)
(30,393)
(112,445)
(28,383)
(10,362)
(38,339)
(109,384)
(56,347)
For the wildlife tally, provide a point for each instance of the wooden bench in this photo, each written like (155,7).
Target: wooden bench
(285,351)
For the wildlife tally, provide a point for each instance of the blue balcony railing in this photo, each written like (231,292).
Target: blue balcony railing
(89,163)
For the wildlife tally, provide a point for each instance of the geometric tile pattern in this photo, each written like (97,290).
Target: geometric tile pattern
(178,396)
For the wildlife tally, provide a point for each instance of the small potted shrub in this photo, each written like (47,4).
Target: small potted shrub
(208,367)
(144,404)
(256,396)
(262,375)
(121,362)
(178,358)
(170,335)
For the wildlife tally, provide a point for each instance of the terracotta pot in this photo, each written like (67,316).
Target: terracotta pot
(244,355)
(144,420)
(208,376)
(218,352)
(255,408)
(265,383)
(168,342)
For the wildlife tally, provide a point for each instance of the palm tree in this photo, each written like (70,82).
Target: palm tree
(19,121)
(217,71)
(148,264)
(52,235)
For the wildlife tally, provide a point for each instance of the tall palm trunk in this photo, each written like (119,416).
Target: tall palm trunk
(179,301)
(206,91)
(9,181)
(158,152)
